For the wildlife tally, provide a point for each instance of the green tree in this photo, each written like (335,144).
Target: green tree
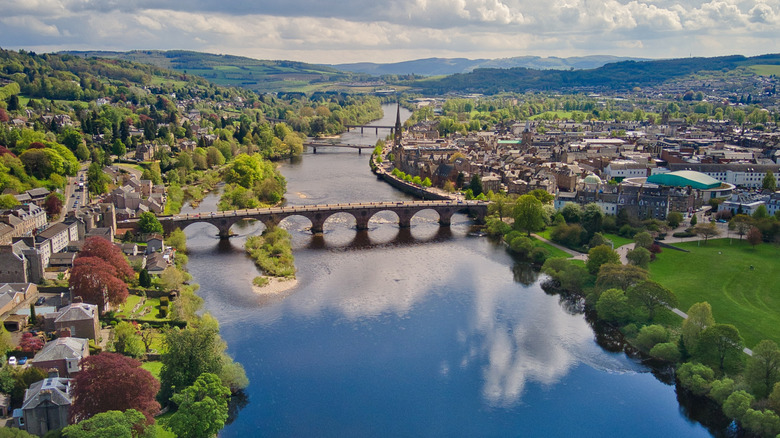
(720,345)
(650,335)
(674,219)
(476,184)
(190,352)
(612,306)
(769,182)
(82,153)
(202,408)
(699,318)
(763,368)
(761,422)
(592,218)
(721,389)
(639,257)
(528,214)
(706,230)
(694,220)
(148,223)
(737,404)
(761,212)
(178,240)
(118,148)
(668,351)
(144,279)
(127,341)
(643,240)
(11,432)
(774,398)
(96,179)
(696,377)
(8,201)
(601,255)
(652,296)
(114,424)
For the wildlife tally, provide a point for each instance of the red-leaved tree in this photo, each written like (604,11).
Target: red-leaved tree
(97,282)
(52,205)
(105,250)
(30,343)
(113,382)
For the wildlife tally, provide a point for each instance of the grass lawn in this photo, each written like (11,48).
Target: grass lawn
(720,273)
(618,240)
(765,70)
(554,252)
(153,367)
(545,233)
(152,304)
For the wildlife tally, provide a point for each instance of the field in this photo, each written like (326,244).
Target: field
(740,283)
(765,70)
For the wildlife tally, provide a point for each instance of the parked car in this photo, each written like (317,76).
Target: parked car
(22,360)
(40,301)
(12,360)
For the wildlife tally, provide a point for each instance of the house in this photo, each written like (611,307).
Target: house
(154,243)
(46,404)
(20,263)
(13,294)
(58,236)
(63,353)
(81,319)
(155,263)
(129,249)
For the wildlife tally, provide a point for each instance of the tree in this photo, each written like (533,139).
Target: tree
(476,184)
(643,240)
(652,296)
(769,182)
(601,255)
(203,408)
(592,218)
(144,279)
(542,195)
(737,404)
(103,377)
(30,343)
(668,351)
(706,231)
(172,278)
(674,219)
(148,223)
(719,344)
(127,341)
(774,398)
(695,377)
(8,201)
(760,213)
(572,212)
(96,282)
(115,424)
(529,214)
(190,352)
(694,220)
(97,180)
(612,306)
(110,253)
(742,224)
(754,236)
(639,257)
(11,432)
(721,389)
(763,368)
(82,153)
(52,204)
(650,335)
(699,318)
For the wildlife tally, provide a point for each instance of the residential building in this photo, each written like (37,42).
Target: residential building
(63,353)
(46,404)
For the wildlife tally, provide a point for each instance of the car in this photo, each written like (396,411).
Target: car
(22,360)
(12,360)
(40,301)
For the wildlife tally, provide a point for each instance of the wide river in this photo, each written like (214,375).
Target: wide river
(426,331)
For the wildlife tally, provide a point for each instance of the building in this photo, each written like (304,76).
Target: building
(738,174)
(64,354)
(46,404)
(20,263)
(14,294)
(80,319)
(58,236)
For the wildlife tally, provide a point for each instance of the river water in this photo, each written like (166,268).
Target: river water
(419,332)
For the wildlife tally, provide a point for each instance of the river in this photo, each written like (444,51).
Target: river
(419,332)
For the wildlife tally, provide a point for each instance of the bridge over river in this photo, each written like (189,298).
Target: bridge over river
(318,214)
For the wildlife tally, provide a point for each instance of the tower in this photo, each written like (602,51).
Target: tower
(397,136)
(528,136)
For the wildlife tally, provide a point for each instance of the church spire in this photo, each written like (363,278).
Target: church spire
(398,124)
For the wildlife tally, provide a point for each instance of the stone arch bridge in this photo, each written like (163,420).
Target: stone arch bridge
(318,214)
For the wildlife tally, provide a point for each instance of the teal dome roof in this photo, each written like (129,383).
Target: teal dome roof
(684,178)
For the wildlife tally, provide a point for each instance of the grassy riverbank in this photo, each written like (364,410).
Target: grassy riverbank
(739,281)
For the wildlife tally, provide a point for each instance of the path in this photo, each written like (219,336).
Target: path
(574,254)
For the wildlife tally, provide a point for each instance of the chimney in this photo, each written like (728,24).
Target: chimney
(53,373)
(64,333)
(77,299)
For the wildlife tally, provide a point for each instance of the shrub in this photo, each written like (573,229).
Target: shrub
(667,351)
(696,377)
(539,255)
(163,311)
(651,335)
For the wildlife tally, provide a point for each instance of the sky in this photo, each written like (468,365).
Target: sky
(343,31)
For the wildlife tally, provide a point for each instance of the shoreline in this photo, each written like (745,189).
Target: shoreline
(275,286)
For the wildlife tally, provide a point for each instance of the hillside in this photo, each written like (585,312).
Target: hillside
(239,71)
(448,66)
(620,75)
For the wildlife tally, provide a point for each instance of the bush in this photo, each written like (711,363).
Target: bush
(667,351)
(651,335)
(163,311)
(164,301)
(539,255)
(260,281)
(696,377)
(685,233)
(627,231)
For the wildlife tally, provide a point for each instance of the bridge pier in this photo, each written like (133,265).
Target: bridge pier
(361,129)
(361,220)
(445,217)
(317,221)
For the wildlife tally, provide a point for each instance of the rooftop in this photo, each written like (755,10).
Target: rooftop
(683,178)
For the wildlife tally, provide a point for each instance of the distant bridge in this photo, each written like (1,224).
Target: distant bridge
(326,144)
(318,214)
(375,127)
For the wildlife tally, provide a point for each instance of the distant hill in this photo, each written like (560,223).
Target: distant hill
(448,66)
(239,71)
(619,75)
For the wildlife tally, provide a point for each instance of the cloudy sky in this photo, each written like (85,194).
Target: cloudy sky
(337,31)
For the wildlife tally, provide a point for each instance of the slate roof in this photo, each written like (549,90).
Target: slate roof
(58,387)
(77,312)
(62,348)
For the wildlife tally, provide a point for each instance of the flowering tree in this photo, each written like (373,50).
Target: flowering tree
(30,343)
(105,250)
